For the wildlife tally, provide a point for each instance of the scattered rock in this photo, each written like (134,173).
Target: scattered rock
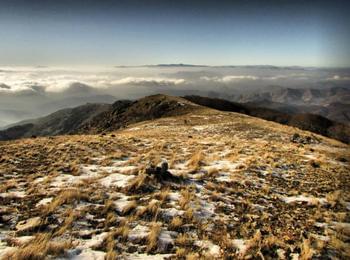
(342,159)
(297,138)
(162,173)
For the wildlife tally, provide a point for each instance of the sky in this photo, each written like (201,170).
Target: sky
(136,32)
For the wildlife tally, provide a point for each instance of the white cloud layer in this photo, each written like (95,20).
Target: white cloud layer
(33,92)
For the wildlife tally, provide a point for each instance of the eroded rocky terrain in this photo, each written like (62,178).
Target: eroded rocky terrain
(240,187)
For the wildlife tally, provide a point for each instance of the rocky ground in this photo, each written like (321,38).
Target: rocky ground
(230,186)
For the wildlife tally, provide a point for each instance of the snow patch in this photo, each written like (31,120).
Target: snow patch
(43,202)
(13,194)
(302,198)
(138,233)
(212,249)
(85,254)
(116,180)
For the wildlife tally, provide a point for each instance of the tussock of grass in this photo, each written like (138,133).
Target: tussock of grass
(39,248)
(306,251)
(109,206)
(176,223)
(8,185)
(111,243)
(65,197)
(153,235)
(334,197)
(183,240)
(150,211)
(129,207)
(186,197)
(137,183)
(68,221)
(195,161)
(122,232)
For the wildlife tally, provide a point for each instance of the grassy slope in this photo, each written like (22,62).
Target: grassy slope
(239,173)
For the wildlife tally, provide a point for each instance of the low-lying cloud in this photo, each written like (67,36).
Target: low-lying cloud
(37,91)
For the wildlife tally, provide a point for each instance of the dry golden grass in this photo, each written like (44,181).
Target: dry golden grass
(122,231)
(306,251)
(8,185)
(152,239)
(270,166)
(74,168)
(132,205)
(176,222)
(183,240)
(69,218)
(65,197)
(111,243)
(186,197)
(39,248)
(150,211)
(111,219)
(194,256)
(341,246)
(195,161)
(163,195)
(212,171)
(334,197)
(136,183)
(109,206)
(181,253)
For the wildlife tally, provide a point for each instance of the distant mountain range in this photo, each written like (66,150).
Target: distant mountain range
(99,118)
(332,103)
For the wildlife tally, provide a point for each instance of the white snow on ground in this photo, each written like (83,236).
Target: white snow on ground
(43,202)
(302,198)
(126,169)
(134,129)
(121,203)
(116,179)
(4,249)
(341,225)
(38,180)
(22,240)
(322,238)
(173,196)
(222,165)
(172,212)
(89,171)
(240,244)
(311,156)
(85,254)
(347,204)
(63,180)
(213,250)
(206,210)
(13,194)
(224,177)
(200,128)
(94,171)
(147,257)
(138,233)
(165,239)
(95,241)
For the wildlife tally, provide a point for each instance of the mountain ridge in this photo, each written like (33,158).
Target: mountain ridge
(102,118)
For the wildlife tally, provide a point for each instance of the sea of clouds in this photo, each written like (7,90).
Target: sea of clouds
(27,92)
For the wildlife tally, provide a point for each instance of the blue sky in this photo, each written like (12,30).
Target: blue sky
(59,33)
